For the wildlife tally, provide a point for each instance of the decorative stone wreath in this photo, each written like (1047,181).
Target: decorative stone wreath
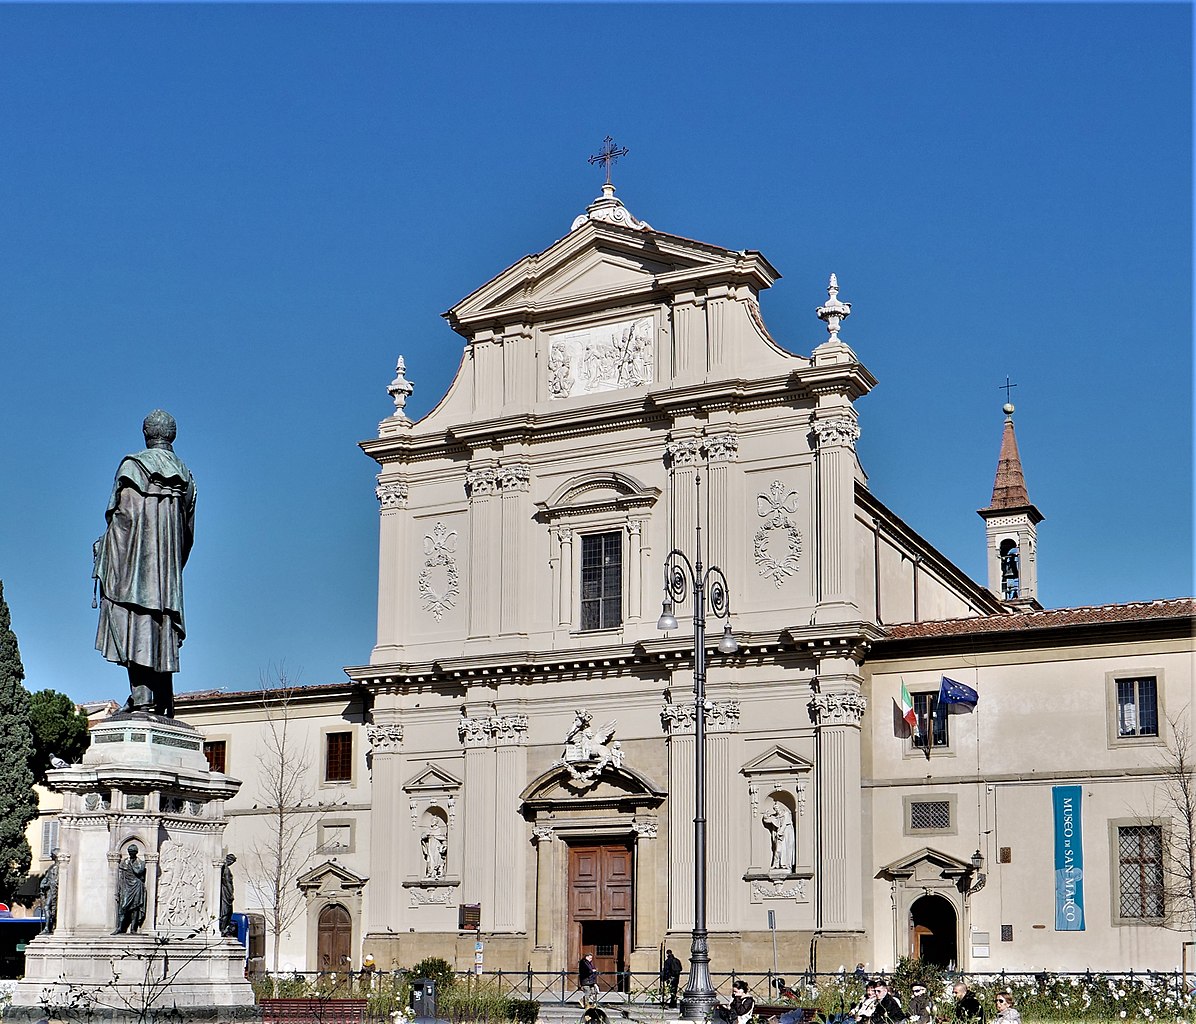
(774,508)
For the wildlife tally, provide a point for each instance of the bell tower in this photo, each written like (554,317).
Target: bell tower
(1010,522)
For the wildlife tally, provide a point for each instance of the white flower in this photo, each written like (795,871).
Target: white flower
(1123,1013)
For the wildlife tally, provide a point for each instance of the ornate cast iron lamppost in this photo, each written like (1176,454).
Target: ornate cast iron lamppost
(707,583)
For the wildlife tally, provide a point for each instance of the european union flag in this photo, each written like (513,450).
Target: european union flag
(951,692)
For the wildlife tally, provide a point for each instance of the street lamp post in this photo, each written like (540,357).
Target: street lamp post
(710,583)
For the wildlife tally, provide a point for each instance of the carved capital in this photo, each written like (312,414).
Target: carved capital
(721,716)
(838,708)
(472,731)
(516,477)
(386,738)
(481,482)
(837,430)
(508,729)
(722,447)
(391,494)
(685,451)
(645,829)
(543,833)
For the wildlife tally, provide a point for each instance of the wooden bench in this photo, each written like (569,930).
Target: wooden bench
(313,1010)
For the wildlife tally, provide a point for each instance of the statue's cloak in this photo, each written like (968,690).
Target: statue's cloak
(139,561)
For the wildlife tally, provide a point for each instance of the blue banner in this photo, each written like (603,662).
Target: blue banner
(1069,859)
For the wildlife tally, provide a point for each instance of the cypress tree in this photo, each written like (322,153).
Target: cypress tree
(18,804)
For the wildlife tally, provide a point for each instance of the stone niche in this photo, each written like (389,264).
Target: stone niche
(781,838)
(144,782)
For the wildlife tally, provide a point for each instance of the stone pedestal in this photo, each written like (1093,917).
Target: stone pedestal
(143,782)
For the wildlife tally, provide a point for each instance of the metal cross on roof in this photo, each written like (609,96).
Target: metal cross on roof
(608,155)
(1007,387)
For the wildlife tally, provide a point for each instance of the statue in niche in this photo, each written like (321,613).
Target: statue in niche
(48,889)
(130,894)
(778,819)
(435,849)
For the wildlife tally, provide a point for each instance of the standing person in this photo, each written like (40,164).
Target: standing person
(587,980)
(739,1010)
(139,566)
(888,1007)
(967,1006)
(1005,1010)
(670,976)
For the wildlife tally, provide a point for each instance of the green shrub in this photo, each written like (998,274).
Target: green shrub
(436,968)
(524,1011)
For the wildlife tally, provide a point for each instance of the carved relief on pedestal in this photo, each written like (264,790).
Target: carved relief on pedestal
(776,545)
(182,899)
(609,357)
(439,582)
(794,889)
(838,708)
(385,738)
(438,895)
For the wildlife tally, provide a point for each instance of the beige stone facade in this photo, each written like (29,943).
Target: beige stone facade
(521,741)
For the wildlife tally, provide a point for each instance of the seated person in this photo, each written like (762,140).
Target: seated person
(741,1007)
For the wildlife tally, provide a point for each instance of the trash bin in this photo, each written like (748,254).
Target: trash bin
(423,997)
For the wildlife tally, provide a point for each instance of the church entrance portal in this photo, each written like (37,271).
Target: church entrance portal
(600,902)
(933,931)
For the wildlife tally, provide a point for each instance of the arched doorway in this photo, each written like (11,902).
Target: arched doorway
(334,939)
(933,931)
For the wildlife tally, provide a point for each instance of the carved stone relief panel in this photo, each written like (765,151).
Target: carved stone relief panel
(608,357)
(439,580)
(776,545)
(182,898)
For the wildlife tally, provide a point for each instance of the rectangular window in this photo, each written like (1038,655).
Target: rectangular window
(1138,707)
(602,581)
(49,836)
(214,751)
(1140,862)
(338,757)
(929,815)
(932,721)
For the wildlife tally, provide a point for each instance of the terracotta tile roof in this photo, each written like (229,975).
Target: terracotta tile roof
(1134,611)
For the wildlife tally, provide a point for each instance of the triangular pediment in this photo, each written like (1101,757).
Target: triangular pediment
(432,777)
(938,862)
(777,761)
(331,875)
(594,261)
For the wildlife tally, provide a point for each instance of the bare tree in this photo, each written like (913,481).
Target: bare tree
(1177,799)
(285,845)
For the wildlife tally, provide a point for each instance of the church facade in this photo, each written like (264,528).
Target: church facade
(515,763)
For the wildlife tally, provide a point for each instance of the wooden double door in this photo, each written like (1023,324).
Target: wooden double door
(601,902)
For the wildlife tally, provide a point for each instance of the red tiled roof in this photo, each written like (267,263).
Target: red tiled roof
(1133,611)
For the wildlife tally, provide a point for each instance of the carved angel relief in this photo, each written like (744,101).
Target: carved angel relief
(777,543)
(439,582)
(603,358)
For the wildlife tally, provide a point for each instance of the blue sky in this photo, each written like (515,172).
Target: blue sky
(243,214)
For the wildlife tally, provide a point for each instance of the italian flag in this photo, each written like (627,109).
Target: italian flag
(907,708)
